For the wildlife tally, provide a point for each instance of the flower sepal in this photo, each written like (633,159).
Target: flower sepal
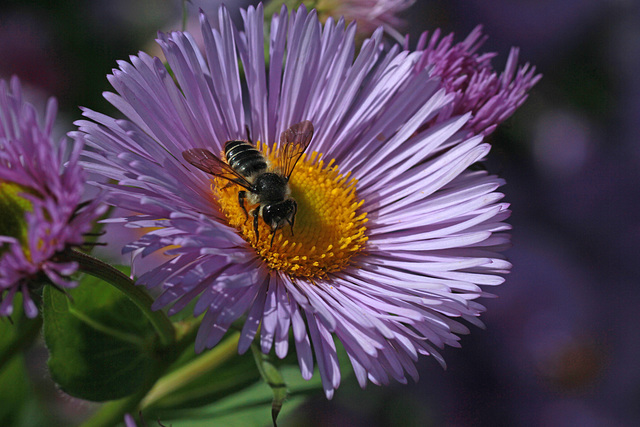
(272,376)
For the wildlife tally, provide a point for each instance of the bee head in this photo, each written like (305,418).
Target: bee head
(276,214)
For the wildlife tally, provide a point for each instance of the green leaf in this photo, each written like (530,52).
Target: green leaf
(19,405)
(100,345)
(18,333)
(245,408)
(14,391)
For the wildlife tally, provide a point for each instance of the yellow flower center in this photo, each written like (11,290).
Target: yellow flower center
(12,213)
(328,228)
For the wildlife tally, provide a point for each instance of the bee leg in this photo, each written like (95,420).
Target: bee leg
(241,196)
(293,216)
(273,235)
(256,214)
(248,133)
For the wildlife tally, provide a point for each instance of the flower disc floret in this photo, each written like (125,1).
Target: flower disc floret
(329,229)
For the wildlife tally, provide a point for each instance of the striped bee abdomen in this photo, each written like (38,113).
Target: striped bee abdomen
(243,157)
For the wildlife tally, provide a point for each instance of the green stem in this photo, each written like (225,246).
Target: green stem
(112,413)
(124,284)
(186,332)
(273,378)
(193,370)
(185,15)
(274,6)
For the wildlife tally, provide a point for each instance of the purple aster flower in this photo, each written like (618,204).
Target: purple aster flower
(393,237)
(40,200)
(477,88)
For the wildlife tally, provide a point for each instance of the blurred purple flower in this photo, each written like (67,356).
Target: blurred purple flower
(129,421)
(42,213)
(384,257)
(29,50)
(477,88)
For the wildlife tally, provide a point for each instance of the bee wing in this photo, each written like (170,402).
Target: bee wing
(294,141)
(208,162)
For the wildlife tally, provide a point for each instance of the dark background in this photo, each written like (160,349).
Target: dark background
(561,347)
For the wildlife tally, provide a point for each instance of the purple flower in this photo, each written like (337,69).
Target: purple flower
(469,76)
(394,235)
(129,421)
(40,200)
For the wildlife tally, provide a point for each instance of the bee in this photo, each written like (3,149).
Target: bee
(263,184)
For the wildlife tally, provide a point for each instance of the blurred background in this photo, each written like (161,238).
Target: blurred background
(561,345)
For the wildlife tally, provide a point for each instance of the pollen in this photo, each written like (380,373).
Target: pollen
(329,226)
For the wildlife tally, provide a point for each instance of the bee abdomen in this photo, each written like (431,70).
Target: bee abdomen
(244,158)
